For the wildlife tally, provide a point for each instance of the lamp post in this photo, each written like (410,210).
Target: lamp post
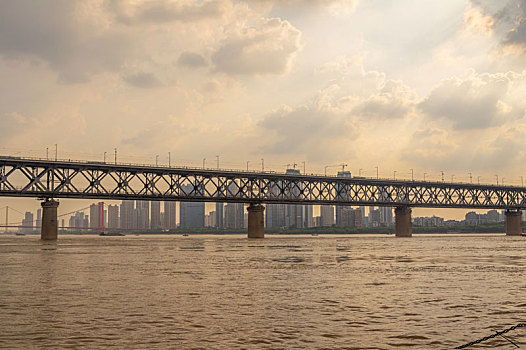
(156,160)
(478,180)
(470,178)
(262,164)
(394,175)
(104,157)
(452,177)
(248,162)
(425,176)
(217,159)
(47,155)
(204,161)
(169,160)
(115,150)
(326,169)
(56,152)
(497,176)
(442,171)
(412,175)
(376,172)
(303,167)
(522,182)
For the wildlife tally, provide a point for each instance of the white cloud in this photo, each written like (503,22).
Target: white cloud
(266,48)
(476,100)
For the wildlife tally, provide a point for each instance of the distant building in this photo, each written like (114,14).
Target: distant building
(433,221)
(169,217)
(27,223)
(155,222)
(219,215)
(94,215)
(234,215)
(127,214)
(113,216)
(327,215)
(192,214)
(142,210)
(38,222)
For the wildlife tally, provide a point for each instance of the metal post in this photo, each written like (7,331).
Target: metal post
(425,176)
(156,160)
(217,157)
(452,176)
(56,152)
(169,160)
(204,160)
(262,164)
(394,175)
(412,175)
(376,172)
(115,155)
(360,172)
(303,167)
(442,171)
(47,153)
(522,182)
(497,176)
(248,161)
(104,157)
(470,178)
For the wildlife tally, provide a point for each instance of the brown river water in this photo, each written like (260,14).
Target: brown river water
(282,292)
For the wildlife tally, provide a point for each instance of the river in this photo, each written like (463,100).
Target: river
(282,292)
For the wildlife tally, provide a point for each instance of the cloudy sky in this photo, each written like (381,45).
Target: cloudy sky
(426,85)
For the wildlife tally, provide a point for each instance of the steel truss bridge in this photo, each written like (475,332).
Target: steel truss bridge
(21,177)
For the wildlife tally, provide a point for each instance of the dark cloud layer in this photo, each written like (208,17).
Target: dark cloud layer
(48,30)
(192,60)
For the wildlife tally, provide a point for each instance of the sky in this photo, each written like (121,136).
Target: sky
(425,85)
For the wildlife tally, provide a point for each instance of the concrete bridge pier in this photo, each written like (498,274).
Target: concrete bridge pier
(513,222)
(403,225)
(256,222)
(49,227)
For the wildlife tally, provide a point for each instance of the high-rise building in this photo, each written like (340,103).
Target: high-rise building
(386,216)
(347,217)
(27,223)
(275,215)
(143,214)
(127,215)
(113,216)
(234,215)
(327,215)
(308,216)
(38,223)
(192,214)
(169,222)
(155,222)
(94,215)
(219,215)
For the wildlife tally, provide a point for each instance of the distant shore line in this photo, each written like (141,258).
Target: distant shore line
(467,229)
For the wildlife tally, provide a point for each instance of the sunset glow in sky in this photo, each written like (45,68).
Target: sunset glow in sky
(426,85)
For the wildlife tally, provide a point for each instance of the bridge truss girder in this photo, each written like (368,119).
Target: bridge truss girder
(49,179)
